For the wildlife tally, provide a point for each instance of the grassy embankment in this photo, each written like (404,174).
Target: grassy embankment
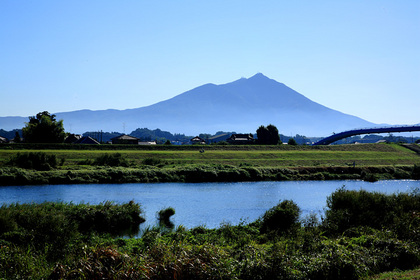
(363,234)
(125,163)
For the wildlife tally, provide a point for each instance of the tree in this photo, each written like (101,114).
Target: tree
(262,135)
(17,137)
(274,134)
(268,135)
(43,128)
(292,142)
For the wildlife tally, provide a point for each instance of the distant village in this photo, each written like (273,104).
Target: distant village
(144,136)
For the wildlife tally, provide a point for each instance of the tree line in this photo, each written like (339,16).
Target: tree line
(45,128)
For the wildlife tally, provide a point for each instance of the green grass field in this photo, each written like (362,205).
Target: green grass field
(136,164)
(271,156)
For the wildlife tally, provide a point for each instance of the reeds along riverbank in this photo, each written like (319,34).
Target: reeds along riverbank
(276,246)
(201,173)
(106,217)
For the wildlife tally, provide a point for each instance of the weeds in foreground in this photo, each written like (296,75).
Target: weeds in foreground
(276,246)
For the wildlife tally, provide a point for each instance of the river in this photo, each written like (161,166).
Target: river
(203,204)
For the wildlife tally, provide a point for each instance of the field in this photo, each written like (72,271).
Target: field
(274,156)
(125,163)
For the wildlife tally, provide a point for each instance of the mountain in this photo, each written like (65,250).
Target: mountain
(241,106)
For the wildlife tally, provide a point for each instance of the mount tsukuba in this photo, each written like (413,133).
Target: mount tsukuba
(242,106)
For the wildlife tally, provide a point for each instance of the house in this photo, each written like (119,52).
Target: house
(198,140)
(86,140)
(240,139)
(72,138)
(125,139)
(147,142)
(3,140)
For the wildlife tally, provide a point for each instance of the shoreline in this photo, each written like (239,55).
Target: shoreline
(12,176)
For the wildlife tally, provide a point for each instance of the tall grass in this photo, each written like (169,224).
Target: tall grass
(397,212)
(276,246)
(54,226)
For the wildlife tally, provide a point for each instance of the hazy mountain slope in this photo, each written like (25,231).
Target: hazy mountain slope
(241,106)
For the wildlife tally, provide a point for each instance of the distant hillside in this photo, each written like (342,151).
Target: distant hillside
(242,106)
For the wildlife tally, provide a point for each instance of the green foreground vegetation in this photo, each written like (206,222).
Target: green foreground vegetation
(22,164)
(362,234)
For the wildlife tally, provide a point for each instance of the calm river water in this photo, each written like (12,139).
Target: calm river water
(208,204)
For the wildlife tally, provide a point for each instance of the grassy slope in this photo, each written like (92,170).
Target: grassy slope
(217,163)
(273,156)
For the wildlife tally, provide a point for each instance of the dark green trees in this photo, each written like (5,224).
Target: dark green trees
(17,137)
(268,135)
(292,142)
(43,128)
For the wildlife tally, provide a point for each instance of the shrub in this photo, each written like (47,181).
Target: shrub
(397,212)
(51,222)
(112,160)
(152,161)
(164,216)
(281,218)
(107,217)
(416,172)
(38,161)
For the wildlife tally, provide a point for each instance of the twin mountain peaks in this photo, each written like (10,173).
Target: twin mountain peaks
(242,106)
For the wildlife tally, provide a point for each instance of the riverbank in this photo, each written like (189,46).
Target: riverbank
(201,173)
(41,164)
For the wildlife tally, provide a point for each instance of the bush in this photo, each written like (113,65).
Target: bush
(38,161)
(281,218)
(107,217)
(397,212)
(152,161)
(416,172)
(164,215)
(51,222)
(111,160)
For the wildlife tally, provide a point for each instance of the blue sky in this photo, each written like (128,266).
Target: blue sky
(358,57)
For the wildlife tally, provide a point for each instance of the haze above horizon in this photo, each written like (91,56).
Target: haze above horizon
(358,57)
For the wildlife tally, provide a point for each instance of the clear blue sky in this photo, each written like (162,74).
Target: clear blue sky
(358,57)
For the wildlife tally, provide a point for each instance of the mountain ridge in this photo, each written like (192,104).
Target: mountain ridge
(241,105)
